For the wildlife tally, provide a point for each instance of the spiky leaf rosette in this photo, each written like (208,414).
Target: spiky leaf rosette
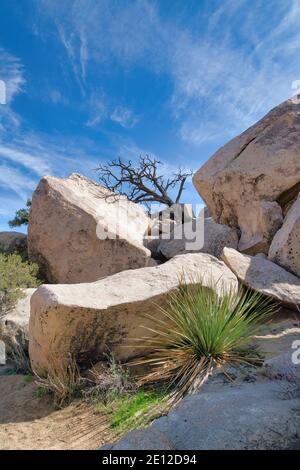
(200,330)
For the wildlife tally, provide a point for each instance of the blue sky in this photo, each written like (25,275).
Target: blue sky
(88,80)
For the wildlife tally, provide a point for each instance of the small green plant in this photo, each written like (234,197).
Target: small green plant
(126,411)
(15,274)
(114,393)
(27,379)
(136,409)
(41,392)
(199,331)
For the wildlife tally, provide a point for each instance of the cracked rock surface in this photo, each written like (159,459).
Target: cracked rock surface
(251,180)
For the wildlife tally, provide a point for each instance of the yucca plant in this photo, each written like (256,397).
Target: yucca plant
(199,331)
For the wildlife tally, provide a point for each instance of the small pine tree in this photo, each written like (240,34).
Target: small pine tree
(21,216)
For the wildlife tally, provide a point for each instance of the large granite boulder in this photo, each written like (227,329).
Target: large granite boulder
(86,320)
(264,276)
(251,181)
(13,242)
(80,232)
(285,247)
(214,237)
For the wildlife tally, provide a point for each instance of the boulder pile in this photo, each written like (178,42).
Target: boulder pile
(102,287)
(109,265)
(215,238)
(253,181)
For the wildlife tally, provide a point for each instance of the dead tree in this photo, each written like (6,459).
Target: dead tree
(142,182)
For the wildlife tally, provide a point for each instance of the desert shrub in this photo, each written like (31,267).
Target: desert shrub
(15,274)
(63,381)
(18,247)
(107,389)
(114,393)
(108,380)
(199,331)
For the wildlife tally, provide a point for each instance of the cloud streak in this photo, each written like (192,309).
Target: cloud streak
(32,162)
(220,84)
(12,74)
(224,87)
(14,180)
(223,74)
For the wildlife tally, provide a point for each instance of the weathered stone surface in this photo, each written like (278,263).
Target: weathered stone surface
(216,237)
(279,334)
(251,416)
(14,324)
(207,212)
(285,247)
(85,319)
(264,276)
(13,242)
(67,218)
(282,368)
(162,226)
(243,182)
(141,440)
(261,227)
(152,244)
(165,221)
(263,414)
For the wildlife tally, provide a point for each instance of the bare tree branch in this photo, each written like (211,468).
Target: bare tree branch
(141,183)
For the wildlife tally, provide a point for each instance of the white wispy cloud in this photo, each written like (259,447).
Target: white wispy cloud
(220,86)
(30,161)
(104,30)
(100,109)
(56,97)
(9,205)
(76,50)
(12,74)
(14,180)
(124,116)
(29,156)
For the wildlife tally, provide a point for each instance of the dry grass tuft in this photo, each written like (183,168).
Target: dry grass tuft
(63,380)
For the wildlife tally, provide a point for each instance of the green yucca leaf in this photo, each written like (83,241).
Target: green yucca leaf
(199,330)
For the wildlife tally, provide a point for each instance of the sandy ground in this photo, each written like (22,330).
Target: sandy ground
(27,422)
